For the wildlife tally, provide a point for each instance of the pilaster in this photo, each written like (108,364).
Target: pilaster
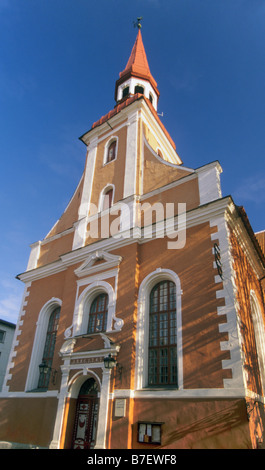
(131,156)
(81,224)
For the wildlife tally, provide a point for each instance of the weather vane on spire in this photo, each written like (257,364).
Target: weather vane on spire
(138,22)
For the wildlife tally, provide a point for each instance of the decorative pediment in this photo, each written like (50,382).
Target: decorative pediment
(98,261)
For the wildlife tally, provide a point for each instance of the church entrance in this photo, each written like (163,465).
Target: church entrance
(85,426)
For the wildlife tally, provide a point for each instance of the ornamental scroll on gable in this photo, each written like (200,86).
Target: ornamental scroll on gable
(98,261)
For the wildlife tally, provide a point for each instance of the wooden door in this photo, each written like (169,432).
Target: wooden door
(85,427)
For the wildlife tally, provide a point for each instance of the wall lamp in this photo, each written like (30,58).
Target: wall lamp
(45,370)
(110,362)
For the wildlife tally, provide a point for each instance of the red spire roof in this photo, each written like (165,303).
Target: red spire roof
(137,65)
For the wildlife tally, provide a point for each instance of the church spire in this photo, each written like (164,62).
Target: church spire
(136,77)
(137,64)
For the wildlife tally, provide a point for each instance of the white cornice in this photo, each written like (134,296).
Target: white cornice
(43,271)
(202,214)
(190,393)
(58,235)
(88,267)
(194,217)
(113,121)
(209,166)
(201,393)
(96,353)
(48,394)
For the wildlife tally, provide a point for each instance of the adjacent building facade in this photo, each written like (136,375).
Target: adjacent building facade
(7,330)
(142,321)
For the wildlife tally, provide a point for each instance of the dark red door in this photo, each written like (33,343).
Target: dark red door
(85,426)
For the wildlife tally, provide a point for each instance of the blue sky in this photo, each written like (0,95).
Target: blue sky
(59,60)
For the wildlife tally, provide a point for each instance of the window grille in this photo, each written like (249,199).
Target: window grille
(163,335)
(48,352)
(98,314)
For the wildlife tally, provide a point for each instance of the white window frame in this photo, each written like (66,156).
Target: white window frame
(102,194)
(39,342)
(259,331)
(84,302)
(142,329)
(106,149)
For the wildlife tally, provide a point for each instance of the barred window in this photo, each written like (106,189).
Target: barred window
(49,347)
(98,314)
(163,335)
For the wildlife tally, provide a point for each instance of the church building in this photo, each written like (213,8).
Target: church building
(142,320)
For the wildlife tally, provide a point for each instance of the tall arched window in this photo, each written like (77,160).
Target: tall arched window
(162,352)
(98,314)
(49,346)
(148,331)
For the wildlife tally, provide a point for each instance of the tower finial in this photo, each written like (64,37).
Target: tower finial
(138,22)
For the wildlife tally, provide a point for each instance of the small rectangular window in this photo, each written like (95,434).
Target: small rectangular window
(149,432)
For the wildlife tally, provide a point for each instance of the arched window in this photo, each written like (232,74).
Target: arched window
(49,346)
(125,92)
(84,306)
(151,98)
(107,199)
(111,155)
(162,355)
(98,314)
(149,331)
(139,89)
